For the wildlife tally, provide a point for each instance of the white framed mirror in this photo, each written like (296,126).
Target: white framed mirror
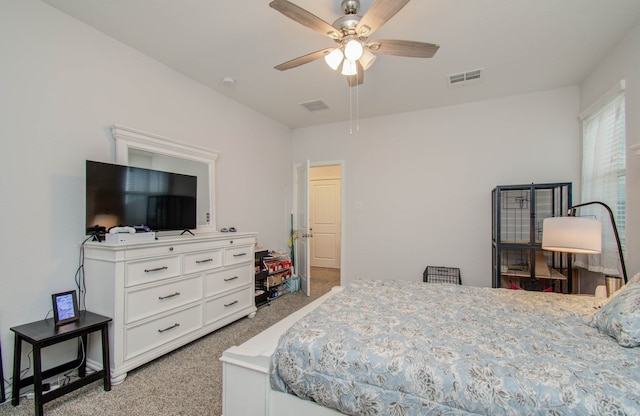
(146,150)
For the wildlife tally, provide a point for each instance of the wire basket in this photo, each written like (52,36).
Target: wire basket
(442,275)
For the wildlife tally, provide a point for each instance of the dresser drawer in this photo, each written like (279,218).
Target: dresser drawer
(203,260)
(152,251)
(223,306)
(149,301)
(151,270)
(239,241)
(228,279)
(237,255)
(145,337)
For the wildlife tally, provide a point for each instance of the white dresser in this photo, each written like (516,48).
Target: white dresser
(166,293)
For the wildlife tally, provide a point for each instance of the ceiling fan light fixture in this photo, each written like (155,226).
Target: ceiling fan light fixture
(367,59)
(353,50)
(334,58)
(349,67)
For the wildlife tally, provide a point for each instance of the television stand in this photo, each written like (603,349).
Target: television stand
(187,231)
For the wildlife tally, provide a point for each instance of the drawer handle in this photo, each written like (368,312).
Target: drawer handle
(231,278)
(204,261)
(157,269)
(169,296)
(231,304)
(171,327)
(240,255)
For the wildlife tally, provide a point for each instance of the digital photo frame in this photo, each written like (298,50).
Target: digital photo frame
(65,307)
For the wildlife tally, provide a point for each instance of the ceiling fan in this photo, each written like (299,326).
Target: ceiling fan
(351,32)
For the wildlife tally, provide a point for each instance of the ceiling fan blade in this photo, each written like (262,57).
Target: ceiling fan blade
(378,14)
(304,17)
(358,78)
(305,59)
(403,48)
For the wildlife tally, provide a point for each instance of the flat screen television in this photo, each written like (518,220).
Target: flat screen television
(119,195)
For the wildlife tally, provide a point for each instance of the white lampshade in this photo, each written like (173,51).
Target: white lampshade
(353,50)
(572,235)
(334,58)
(349,67)
(367,59)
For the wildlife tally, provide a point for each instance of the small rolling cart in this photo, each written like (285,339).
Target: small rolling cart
(278,267)
(261,274)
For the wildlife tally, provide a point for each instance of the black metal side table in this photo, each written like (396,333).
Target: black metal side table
(44,333)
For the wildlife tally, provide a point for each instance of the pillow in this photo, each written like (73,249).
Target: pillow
(620,318)
(634,280)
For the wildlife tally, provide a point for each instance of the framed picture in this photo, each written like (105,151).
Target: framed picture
(65,307)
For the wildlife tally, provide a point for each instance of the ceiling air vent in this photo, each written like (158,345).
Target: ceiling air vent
(315,105)
(465,77)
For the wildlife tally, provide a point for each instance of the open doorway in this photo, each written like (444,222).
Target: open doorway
(325,226)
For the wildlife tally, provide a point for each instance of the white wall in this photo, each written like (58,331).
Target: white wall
(62,84)
(624,63)
(425,178)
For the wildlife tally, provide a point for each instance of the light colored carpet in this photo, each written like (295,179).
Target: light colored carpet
(187,381)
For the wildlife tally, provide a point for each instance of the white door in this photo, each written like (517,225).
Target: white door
(325,223)
(303,266)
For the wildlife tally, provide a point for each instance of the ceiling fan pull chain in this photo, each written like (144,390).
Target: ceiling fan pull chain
(358,105)
(350,111)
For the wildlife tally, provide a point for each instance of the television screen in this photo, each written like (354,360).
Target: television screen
(119,195)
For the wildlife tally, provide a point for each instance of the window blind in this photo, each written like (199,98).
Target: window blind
(604,179)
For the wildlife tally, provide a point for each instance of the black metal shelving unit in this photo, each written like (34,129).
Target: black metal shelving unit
(261,274)
(517,256)
(272,275)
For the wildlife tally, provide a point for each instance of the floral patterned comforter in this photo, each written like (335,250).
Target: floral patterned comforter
(410,348)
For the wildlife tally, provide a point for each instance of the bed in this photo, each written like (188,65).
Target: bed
(405,348)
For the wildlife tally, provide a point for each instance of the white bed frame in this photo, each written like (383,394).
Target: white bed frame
(246,389)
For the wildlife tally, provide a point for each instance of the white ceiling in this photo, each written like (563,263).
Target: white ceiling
(521,45)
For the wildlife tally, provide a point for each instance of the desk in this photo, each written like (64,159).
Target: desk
(41,334)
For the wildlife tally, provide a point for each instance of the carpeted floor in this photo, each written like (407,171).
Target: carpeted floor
(187,381)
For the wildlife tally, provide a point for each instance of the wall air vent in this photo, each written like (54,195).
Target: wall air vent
(456,78)
(315,105)
(465,77)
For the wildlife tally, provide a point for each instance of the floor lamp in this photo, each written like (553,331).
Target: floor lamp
(573,234)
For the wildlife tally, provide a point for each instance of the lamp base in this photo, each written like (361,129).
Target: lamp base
(612,284)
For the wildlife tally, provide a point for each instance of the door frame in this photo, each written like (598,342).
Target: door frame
(343,211)
(302,244)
